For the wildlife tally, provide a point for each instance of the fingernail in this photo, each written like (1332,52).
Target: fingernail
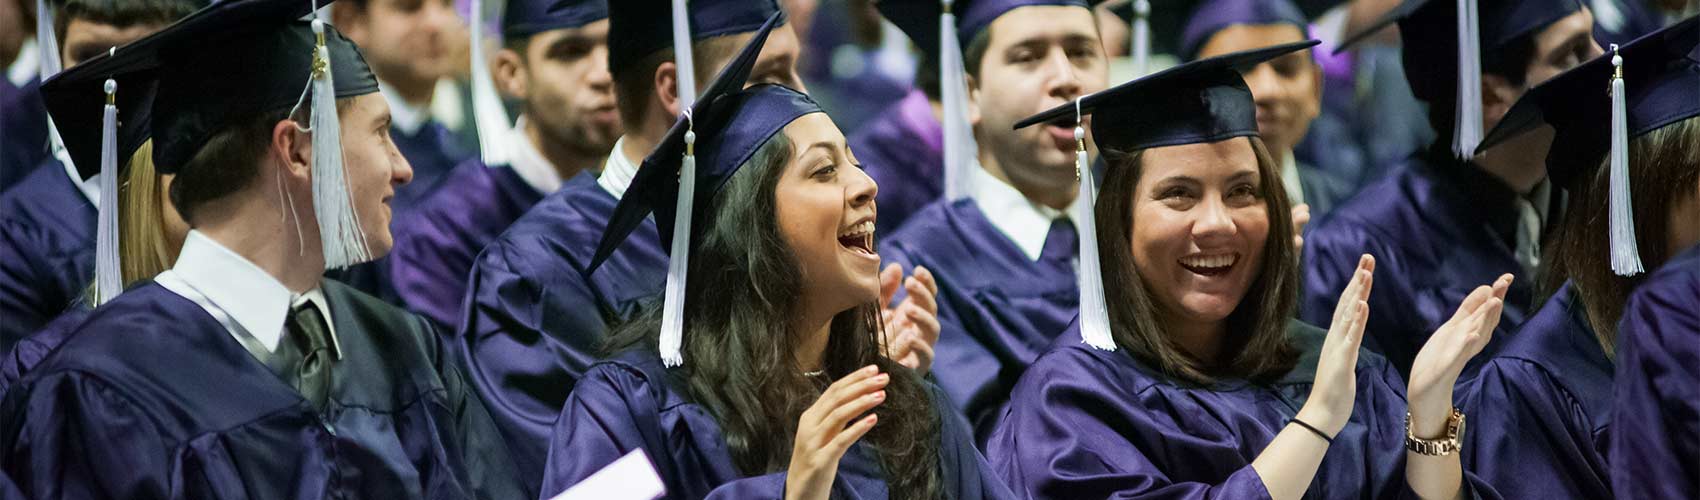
(870,369)
(878,396)
(884,377)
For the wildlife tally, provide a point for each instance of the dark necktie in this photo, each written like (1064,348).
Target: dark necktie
(304,359)
(1062,242)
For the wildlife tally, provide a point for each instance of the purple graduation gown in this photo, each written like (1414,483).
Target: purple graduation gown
(34,348)
(23,132)
(998,309)
(535,322)
(1438,229)
(152,398)
(432,152)
(1656,442)
(46,251)
(1540,409)
(902,149)
(631,401)
(436,243)
(1086,423)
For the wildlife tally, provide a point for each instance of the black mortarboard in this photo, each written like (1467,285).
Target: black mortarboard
(1201,101)
(920,18)
(1212,16)
(523,18)
(681,176)
(638,28)
(1595,111)
(1436,67)
(229,60)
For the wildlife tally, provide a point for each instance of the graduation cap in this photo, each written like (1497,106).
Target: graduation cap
(232,60)
(1443,49)
(1212,16)
(639,28)
(520,18)
(1198,102)
(1598,106)
(724,128)
(941,28)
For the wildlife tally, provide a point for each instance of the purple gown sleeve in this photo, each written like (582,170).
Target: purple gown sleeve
(69,436)
(1656,414)
(1530,437)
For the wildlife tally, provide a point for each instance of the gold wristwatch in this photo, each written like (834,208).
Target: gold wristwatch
(1441,446)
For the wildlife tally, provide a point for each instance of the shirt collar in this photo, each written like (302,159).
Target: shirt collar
(254,300)
(404,116)
(89,187)
(1290,179)
(529,163)
(25,67)
(618,171)
(1021,220)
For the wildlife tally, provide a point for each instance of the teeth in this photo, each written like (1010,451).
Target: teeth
(1209,261)
(858,230)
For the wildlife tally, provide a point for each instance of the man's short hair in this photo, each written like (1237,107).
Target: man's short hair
(123,13)
(634,85)
(229,160)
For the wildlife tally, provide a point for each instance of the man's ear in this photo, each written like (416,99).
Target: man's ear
(292,149)
(1498,94)
(667,87)
(973,101)
(508,71)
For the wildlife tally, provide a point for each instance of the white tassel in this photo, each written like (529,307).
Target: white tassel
(487,111)
(679,257)
(959,146)
(1625,253)
(1141,39)
(686,75)
(108,275)
(1467,132)
(340,236)
(1094,316)
(49,64)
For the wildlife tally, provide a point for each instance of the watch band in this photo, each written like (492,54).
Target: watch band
(1441,446)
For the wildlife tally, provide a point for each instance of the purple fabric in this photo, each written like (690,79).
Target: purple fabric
(630,402)
(32,349)
(46,251)
(432,153)
(998,309)
(23,132)
(1087,423)
(534,323)
(523,18)
(903,151)
(1657,439)
(1212,16)
(436,243)
(1438,229)
(152,398)
(1540,410)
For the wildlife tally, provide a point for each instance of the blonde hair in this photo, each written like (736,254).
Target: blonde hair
(144,250)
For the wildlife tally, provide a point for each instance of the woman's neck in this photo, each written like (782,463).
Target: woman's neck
(1203,340)
(811,347)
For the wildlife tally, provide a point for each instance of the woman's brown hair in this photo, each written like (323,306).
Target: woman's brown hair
(1664,168)
(1257,347)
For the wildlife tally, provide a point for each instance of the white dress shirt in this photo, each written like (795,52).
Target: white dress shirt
(1021,220)
(405,117)
(250,304)
(1290,179)
(618,171)
(529,163)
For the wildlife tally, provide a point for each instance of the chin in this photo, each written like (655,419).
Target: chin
(1208,307)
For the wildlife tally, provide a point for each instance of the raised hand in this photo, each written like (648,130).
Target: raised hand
(911,327)
(1336,388)
(1443,357)
(828,428)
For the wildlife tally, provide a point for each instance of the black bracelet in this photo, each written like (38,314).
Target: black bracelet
(1318,432)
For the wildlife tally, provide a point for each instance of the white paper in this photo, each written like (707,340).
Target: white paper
(631,477)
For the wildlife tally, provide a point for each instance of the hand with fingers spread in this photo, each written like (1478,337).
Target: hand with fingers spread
(828,428)
(911,327)
(1443,357)
(1331,399)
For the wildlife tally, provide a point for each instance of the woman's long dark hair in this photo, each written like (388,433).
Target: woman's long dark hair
(743,290)
(1257,347)
(1663,169)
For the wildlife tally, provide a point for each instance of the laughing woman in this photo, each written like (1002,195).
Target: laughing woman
(776,385)
(1193,382)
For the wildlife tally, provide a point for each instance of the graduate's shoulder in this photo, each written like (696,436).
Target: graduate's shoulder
(47,202)
(939,232)
(1380,209)
(1070,361)
(634,374)
(566,225)
(380,319)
